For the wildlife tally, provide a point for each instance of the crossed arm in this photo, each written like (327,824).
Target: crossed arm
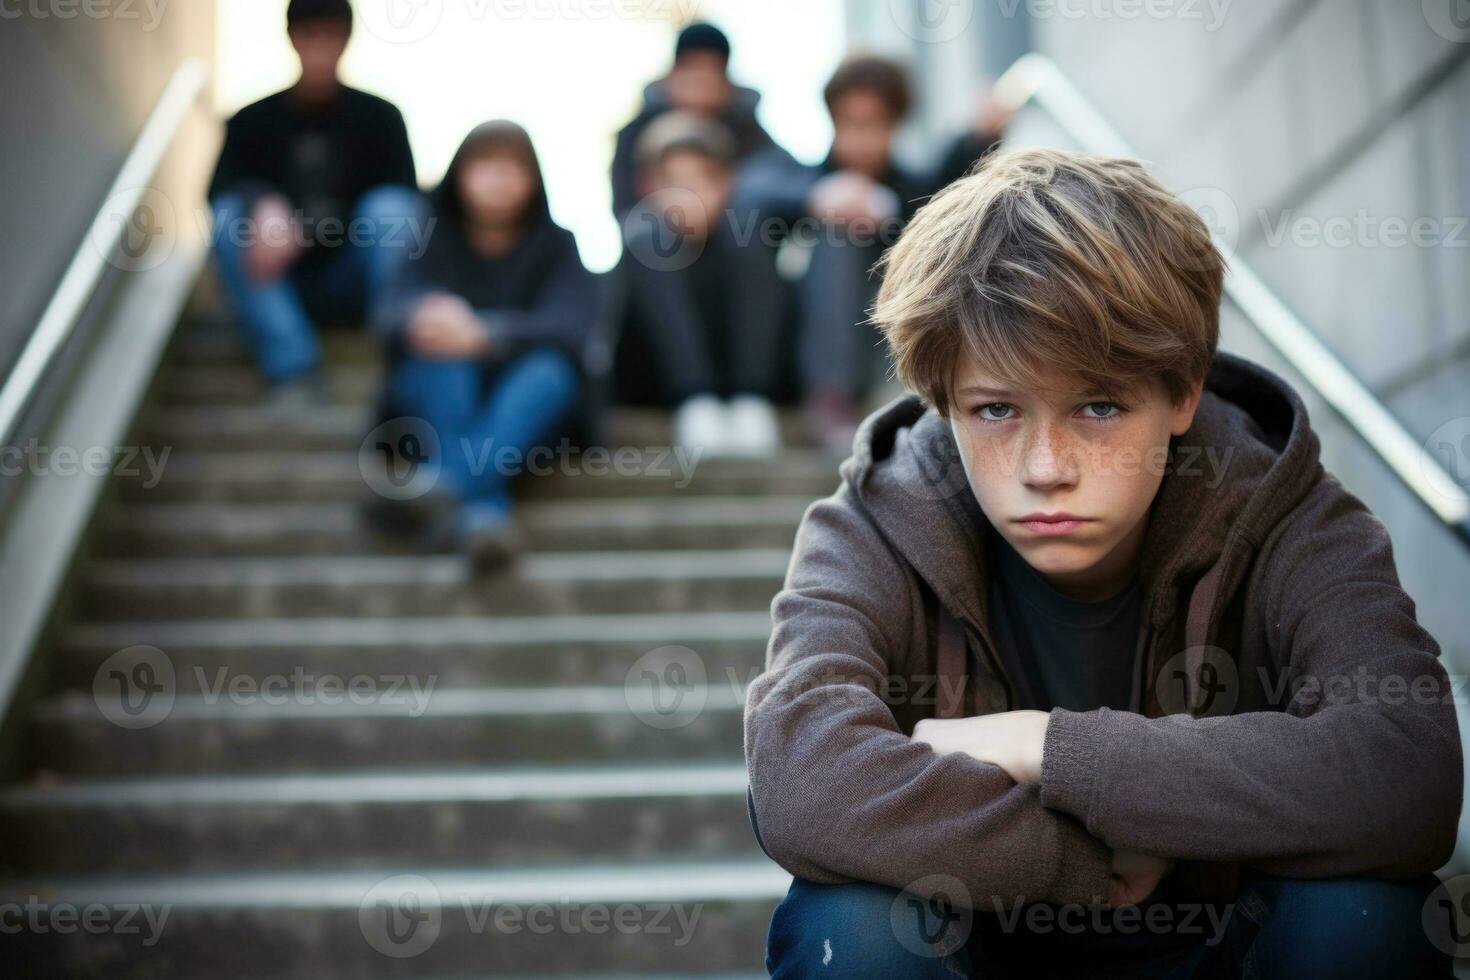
(1056,806)
(1359,773)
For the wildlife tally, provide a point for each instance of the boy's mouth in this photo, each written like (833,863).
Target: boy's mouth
(1052,524)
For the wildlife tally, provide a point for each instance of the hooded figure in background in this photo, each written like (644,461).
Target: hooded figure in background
(484,333)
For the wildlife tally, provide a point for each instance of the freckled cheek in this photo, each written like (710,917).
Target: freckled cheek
(987,455)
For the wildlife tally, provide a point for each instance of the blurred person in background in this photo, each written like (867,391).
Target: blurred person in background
(315,200)
(484,336)
(698,82)
(857,200)
(680,345)
(848,208)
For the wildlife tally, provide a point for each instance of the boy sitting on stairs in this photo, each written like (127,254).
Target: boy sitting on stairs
(1066,676)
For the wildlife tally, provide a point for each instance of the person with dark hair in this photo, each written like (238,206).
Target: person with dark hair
(315,201)
(484,336)
(698,82)
(846,211)
(681,313)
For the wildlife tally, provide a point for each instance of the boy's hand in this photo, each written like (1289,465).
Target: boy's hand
(1135,876)
(1012,740)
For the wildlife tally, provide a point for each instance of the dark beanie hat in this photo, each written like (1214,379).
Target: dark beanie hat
(302,11)
(702,37)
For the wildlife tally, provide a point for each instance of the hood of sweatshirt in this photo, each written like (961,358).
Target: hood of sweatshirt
(1249,457)
(743,100)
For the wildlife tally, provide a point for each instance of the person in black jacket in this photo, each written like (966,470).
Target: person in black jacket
(698,82)
(315,201)
(680,344)
(484,335)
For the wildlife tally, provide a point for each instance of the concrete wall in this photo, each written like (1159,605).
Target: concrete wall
(1331,125)
(80,80)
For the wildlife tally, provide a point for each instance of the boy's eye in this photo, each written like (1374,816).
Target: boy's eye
(1110,409)
(990,411)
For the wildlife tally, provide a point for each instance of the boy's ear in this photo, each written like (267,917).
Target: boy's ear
(1184,410)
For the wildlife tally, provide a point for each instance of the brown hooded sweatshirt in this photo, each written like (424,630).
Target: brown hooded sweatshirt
(1322,741)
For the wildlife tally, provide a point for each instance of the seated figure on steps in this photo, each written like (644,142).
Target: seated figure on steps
(687,339)
(483,337)
(315,204)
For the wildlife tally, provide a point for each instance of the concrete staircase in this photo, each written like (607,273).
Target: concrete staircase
(349,759)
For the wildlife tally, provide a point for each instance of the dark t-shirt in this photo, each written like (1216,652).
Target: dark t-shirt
(321,158)
(1066,652)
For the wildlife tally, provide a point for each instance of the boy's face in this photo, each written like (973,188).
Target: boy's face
(320,45)
(697,178)
(698,83)
(862,132)
(1063,449)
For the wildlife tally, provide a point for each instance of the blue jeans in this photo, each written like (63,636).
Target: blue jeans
(1277,927)
(485,433)
(278,316)
(837,348)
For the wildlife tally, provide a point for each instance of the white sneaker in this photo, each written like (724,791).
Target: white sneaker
(699,424)
(753,427)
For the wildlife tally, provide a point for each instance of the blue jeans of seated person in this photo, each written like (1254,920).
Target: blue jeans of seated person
(1345,927)
(278,317)
(485,433)
(837,348)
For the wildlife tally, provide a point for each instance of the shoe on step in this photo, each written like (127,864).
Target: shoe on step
(489,536)
(752,427)
(700,425)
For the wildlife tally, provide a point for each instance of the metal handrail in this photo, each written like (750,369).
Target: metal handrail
(90,262)
(1037,79)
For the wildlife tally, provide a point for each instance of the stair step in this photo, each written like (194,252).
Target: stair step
(222,345)
(313,723)
(257,427)
(457,651)
(687,918)
(184,390)
(322,475)
(558,583)
(235,529)
(500,818)
(241,384)
(321,752)
(348,418)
